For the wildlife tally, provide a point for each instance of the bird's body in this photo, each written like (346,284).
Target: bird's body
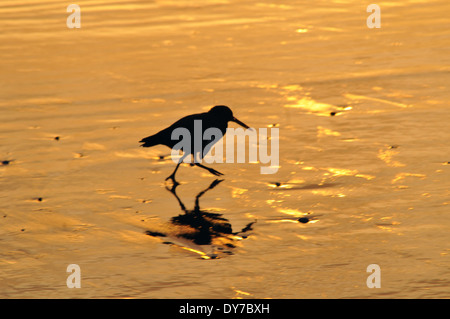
(164,136)
(218,117)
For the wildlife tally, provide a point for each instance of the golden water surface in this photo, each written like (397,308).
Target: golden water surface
(363,120)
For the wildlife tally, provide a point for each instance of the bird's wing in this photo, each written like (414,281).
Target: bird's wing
(165,136)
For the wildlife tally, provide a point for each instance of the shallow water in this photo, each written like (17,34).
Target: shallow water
(373,179)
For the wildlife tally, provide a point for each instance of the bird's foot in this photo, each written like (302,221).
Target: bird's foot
(214,172)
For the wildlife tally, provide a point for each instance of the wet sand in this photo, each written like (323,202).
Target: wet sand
(364,149)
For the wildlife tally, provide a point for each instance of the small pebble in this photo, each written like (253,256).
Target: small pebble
(56,138)
(333,113)
(6,162)
(155,233)
(303,220)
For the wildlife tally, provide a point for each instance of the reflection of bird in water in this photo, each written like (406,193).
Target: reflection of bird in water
(217,117)
(202,227)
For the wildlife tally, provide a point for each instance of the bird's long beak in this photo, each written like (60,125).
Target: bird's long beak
(240,123)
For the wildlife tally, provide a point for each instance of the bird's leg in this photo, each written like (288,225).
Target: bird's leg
(172,176)
(212,171)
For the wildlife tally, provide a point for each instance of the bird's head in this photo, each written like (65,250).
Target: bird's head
(224,112)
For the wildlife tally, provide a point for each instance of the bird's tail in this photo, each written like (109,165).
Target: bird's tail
(150,141)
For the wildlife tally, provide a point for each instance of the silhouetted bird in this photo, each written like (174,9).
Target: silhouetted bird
(217,117)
